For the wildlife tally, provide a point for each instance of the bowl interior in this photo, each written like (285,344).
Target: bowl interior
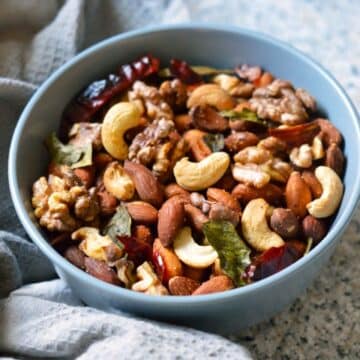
(223,48)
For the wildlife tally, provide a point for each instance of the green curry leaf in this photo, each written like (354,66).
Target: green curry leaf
(119,225)
(71,155)
(245,114)
(233,253)
(214,141)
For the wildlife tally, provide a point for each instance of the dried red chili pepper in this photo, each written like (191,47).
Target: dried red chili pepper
(184,72)
(296,135)
(137,251)
(276,259)
(100,92)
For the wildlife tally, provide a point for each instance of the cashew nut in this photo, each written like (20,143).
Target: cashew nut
(201,175)
(117,182)
(95,245)
(331,195)
(117,121)
(213,95)
(149,283)
(255,227)
(191,253)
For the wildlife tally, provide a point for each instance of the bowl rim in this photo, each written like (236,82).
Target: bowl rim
(59,261)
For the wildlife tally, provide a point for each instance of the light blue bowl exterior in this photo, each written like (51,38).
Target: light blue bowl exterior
(212,45)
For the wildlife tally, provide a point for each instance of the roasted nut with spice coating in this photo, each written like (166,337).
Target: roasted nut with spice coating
(314,229)
(118,183)
(199,176)
(273,194)
(198,148)
(206,118)
(240,140)
(329,201)
(96,246)
(255,228)
(195,216)
(142,212)
(119,118)
(329,134)
(191,253)
(285,223)
(335,158)
(313,183)
(250,174)
(297,194)
(147,187)
(213,95)
(171,218)
(149,283)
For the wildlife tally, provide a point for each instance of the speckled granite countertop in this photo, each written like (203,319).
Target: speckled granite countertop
(325,322)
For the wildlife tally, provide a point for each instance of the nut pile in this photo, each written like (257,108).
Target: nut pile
(193,181)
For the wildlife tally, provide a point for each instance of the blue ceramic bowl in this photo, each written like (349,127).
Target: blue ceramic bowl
(218,46)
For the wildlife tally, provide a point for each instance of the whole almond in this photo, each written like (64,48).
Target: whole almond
(335,158)
(273,194)
(75,256)
(182,286)
(147,187)
(142,212)
(285,223)
(224,198)
(297,194)
(313,183)
(329,134)
(101,271)
(313,228)
(86,175)
(215,284)
(175,189)
(171,219)
(167,264)
(195,216)
(240,140)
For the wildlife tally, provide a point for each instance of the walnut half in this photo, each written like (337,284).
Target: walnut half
(62,208)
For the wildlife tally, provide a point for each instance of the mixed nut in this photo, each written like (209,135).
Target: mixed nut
(189,180)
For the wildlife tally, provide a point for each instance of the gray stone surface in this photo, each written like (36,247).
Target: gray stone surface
(325,322)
